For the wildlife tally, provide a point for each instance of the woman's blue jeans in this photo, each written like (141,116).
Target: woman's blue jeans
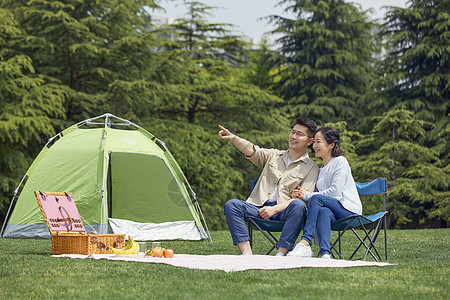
(237,210)
(322,211)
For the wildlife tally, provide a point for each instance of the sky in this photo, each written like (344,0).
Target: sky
(245,14)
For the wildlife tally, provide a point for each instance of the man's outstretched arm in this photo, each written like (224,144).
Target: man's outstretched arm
(243,145)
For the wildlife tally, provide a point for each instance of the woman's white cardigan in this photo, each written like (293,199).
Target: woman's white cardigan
(340,185)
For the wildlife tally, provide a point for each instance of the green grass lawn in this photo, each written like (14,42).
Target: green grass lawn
(27,271)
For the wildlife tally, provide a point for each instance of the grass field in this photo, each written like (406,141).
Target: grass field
(27,271)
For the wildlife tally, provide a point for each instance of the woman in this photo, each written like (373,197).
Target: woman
(336,196)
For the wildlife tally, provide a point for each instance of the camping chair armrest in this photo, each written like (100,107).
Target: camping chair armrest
(376,216)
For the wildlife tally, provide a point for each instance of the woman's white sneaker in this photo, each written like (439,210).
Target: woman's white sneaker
(326,256)
(301,250)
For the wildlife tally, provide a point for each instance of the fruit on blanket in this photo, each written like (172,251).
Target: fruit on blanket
(157,252)
(168,253)
(136,246)
(131,248)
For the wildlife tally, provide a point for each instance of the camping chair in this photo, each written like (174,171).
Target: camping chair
(370,225)
(266,227)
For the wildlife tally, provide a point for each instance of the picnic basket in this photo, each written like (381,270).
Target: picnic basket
(67,229)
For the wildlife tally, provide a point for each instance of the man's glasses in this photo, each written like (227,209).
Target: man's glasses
(298,134)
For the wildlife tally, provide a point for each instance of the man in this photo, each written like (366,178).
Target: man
(282,172)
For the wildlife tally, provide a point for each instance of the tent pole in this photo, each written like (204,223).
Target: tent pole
(108,121)
(203,218)
(15,196)
(103,192)
(195,201)
(107,125)
(51,139)
(7,214)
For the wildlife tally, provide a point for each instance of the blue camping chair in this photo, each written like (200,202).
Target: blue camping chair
(266,227)
(370,225)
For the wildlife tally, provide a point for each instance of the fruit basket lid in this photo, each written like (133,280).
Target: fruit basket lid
(60,212)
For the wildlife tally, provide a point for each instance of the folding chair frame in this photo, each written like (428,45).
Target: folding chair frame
(368,226)
(373,229)
(267,233)
(270,237)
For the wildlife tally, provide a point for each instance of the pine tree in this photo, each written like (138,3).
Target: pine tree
(66,61)
(208,90)
(27,105)
(99,51)
(417,64)
(212,62)
(326,58)
(260,69)
(418,183)
(414,76)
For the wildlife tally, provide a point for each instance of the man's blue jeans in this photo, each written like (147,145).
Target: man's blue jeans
(322,211)
(237,210)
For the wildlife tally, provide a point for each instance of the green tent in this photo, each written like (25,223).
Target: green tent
(123,179)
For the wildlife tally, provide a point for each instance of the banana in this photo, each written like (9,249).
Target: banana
(136,246)
(131,248)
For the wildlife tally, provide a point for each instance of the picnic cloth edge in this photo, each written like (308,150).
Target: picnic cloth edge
(233,263)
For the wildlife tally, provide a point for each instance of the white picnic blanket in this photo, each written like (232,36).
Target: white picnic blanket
(232,263)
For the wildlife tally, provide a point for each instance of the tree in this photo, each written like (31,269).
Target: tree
(326,61)
(417,179)
(65,61)
(212,62)
(260,68)
(417,63)
(414,77)
(208,90)
(107,56)
(99,51)
(27,105)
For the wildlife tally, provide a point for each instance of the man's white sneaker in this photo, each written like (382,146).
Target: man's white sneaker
(301,250)
(326,256)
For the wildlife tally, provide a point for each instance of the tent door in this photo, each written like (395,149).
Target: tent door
(143,189)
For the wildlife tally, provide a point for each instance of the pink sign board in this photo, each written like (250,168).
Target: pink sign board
(60,212)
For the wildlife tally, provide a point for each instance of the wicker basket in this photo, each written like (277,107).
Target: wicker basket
(67,230)
(69,243)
